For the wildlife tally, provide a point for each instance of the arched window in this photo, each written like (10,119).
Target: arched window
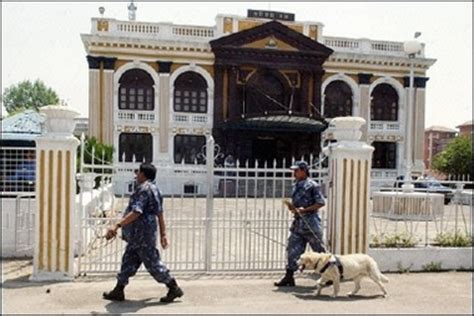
(384,103)
(136,91)
(190,93)
(265,92)
(337,99)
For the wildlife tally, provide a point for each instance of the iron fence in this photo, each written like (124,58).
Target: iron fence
(232,218)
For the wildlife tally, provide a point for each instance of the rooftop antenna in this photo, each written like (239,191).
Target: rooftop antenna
(101,11)
(132,11)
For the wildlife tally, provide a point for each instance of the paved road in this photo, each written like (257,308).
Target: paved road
(448,292)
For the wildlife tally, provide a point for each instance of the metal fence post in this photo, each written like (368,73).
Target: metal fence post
(209,201)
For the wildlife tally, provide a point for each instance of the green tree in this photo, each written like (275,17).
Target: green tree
(103,155)
(28,95)
(456,159)
(101,151)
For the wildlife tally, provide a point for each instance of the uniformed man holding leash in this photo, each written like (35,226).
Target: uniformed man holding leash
(139,229)
(306,227)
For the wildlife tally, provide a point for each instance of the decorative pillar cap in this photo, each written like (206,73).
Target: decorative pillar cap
(59,119)
(347,128)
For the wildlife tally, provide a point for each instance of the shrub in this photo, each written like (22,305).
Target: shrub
(453,239)
(395,240)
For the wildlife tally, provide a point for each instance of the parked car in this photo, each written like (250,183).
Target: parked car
(430,185)
(434,186)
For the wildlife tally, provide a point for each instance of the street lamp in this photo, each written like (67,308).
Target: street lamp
(411,48)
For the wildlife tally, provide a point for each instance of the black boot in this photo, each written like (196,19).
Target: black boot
(287,280)
(116,294)
(174,291)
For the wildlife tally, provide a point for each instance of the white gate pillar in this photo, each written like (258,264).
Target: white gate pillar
(349,185)
(55,193)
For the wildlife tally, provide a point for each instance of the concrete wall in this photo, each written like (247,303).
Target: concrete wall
(413,259)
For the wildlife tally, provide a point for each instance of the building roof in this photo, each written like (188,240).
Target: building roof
(467,123)
(437,128)
(24,125)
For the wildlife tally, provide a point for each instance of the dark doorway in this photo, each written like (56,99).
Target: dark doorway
(264,150)
(267,147)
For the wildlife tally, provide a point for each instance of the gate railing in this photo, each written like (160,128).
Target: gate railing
(236,223)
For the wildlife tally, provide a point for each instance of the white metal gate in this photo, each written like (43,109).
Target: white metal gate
(224,219)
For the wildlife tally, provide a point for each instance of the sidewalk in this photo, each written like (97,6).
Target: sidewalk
(444,292)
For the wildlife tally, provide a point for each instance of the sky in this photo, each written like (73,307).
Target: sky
(42,40)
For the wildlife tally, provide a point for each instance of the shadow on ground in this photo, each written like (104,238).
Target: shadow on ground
(296,289)
(343,298)
(133,306)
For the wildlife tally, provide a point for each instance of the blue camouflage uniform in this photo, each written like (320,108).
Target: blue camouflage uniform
(141,236)
(305,193)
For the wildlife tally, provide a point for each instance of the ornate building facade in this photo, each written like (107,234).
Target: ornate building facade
(260,84)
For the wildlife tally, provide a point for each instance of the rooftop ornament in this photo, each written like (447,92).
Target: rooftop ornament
(132,11)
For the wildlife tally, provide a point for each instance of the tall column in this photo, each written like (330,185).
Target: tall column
(349,183)
(101,94)
(164,69)
(55,191)
(94,65)
(364,103)
(108,100)
(419,124)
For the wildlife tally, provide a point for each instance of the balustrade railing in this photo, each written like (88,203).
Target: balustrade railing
(366,46)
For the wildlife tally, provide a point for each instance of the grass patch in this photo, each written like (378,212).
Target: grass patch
(432,267)
(402,269)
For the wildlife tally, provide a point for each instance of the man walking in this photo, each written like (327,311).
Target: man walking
(306,227)
(139,230)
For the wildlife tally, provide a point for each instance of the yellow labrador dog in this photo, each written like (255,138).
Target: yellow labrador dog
(348,267)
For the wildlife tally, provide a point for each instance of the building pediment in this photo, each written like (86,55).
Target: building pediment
(271,36)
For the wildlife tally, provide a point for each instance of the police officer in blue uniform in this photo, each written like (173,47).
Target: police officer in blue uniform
(306,226)
(139,230)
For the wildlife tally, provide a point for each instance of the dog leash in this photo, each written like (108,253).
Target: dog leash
(266,237)
(312,231)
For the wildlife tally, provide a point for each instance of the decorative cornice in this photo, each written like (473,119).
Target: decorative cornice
(365,60)
(364,78)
